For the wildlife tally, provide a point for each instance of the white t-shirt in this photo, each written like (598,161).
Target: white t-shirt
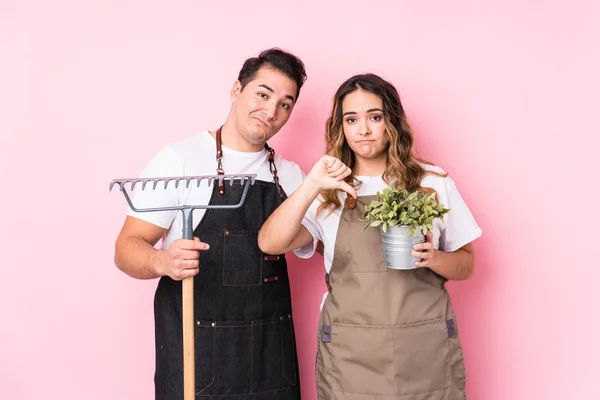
(457,229)
(194,156)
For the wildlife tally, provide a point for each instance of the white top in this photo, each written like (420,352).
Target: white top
(458,228)
(193,156)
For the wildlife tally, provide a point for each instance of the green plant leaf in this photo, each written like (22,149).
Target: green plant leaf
(396,206)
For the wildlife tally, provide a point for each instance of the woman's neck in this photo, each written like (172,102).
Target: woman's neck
(370,167)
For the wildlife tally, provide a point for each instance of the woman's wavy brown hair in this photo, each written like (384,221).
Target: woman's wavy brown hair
(403,165)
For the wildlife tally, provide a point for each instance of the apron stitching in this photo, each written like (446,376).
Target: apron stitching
(401,395)
(409,325)
(227,234)
(213,366)
(283,355)
(252,357)
(246,394)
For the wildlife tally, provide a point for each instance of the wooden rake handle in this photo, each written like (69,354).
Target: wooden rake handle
(189,375)
(187,316)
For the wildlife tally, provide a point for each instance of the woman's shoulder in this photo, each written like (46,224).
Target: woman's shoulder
(433,169)
(436,178)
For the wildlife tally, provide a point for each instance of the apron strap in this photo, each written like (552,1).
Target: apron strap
(220,170)
(274,170)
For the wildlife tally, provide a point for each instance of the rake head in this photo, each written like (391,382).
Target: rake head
(242,178)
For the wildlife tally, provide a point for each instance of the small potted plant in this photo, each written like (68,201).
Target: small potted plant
(404,219)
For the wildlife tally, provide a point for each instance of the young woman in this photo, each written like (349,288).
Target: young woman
(382,332)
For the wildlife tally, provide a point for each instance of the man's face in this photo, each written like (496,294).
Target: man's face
(263,106)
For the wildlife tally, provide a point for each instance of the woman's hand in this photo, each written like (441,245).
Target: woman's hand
(454,265)
(426,252)
(329,173)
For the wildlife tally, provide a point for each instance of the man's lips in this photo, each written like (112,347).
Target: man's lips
(262,122)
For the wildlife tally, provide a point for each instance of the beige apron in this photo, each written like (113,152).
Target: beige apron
(384,333)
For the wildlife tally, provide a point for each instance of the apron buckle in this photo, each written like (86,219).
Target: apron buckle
(350,203)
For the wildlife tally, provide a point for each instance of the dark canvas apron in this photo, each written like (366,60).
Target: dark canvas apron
(384,333)
(245,345)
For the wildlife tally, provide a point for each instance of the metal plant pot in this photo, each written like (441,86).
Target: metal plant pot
(398,247)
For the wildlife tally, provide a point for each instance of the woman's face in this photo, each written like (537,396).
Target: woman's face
(364,126)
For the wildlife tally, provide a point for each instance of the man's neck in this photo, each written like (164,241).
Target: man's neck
(234,140)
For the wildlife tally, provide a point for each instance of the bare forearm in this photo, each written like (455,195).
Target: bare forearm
(136,257)
(456,265)
(281,228)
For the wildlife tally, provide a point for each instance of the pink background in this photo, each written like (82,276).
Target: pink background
(504,95)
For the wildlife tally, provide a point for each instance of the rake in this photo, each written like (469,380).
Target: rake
(188,232)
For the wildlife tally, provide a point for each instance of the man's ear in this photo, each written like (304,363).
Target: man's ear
(236,90)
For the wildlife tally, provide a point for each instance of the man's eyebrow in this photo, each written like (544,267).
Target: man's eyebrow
(354,112)
(266,87)
(288,96)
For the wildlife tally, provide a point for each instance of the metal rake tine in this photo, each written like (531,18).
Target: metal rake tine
(179,180)
(119,182)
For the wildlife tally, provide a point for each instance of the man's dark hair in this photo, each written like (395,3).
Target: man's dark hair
(280,60)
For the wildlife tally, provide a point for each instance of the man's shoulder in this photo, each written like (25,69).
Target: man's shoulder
(191,145)
(285,166)
(183,156)
(290,174)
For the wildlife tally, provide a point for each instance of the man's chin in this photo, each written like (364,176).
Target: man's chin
(256,138)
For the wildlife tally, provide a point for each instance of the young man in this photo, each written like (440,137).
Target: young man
(243,323)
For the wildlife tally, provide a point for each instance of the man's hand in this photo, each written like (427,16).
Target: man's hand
(329,173)
(181,260)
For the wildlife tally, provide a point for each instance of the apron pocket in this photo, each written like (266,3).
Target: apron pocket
(365,250)
(249,357)
(223,358)
(363,359)
(422,359)
(242,259)
(274,354)
(204,357)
